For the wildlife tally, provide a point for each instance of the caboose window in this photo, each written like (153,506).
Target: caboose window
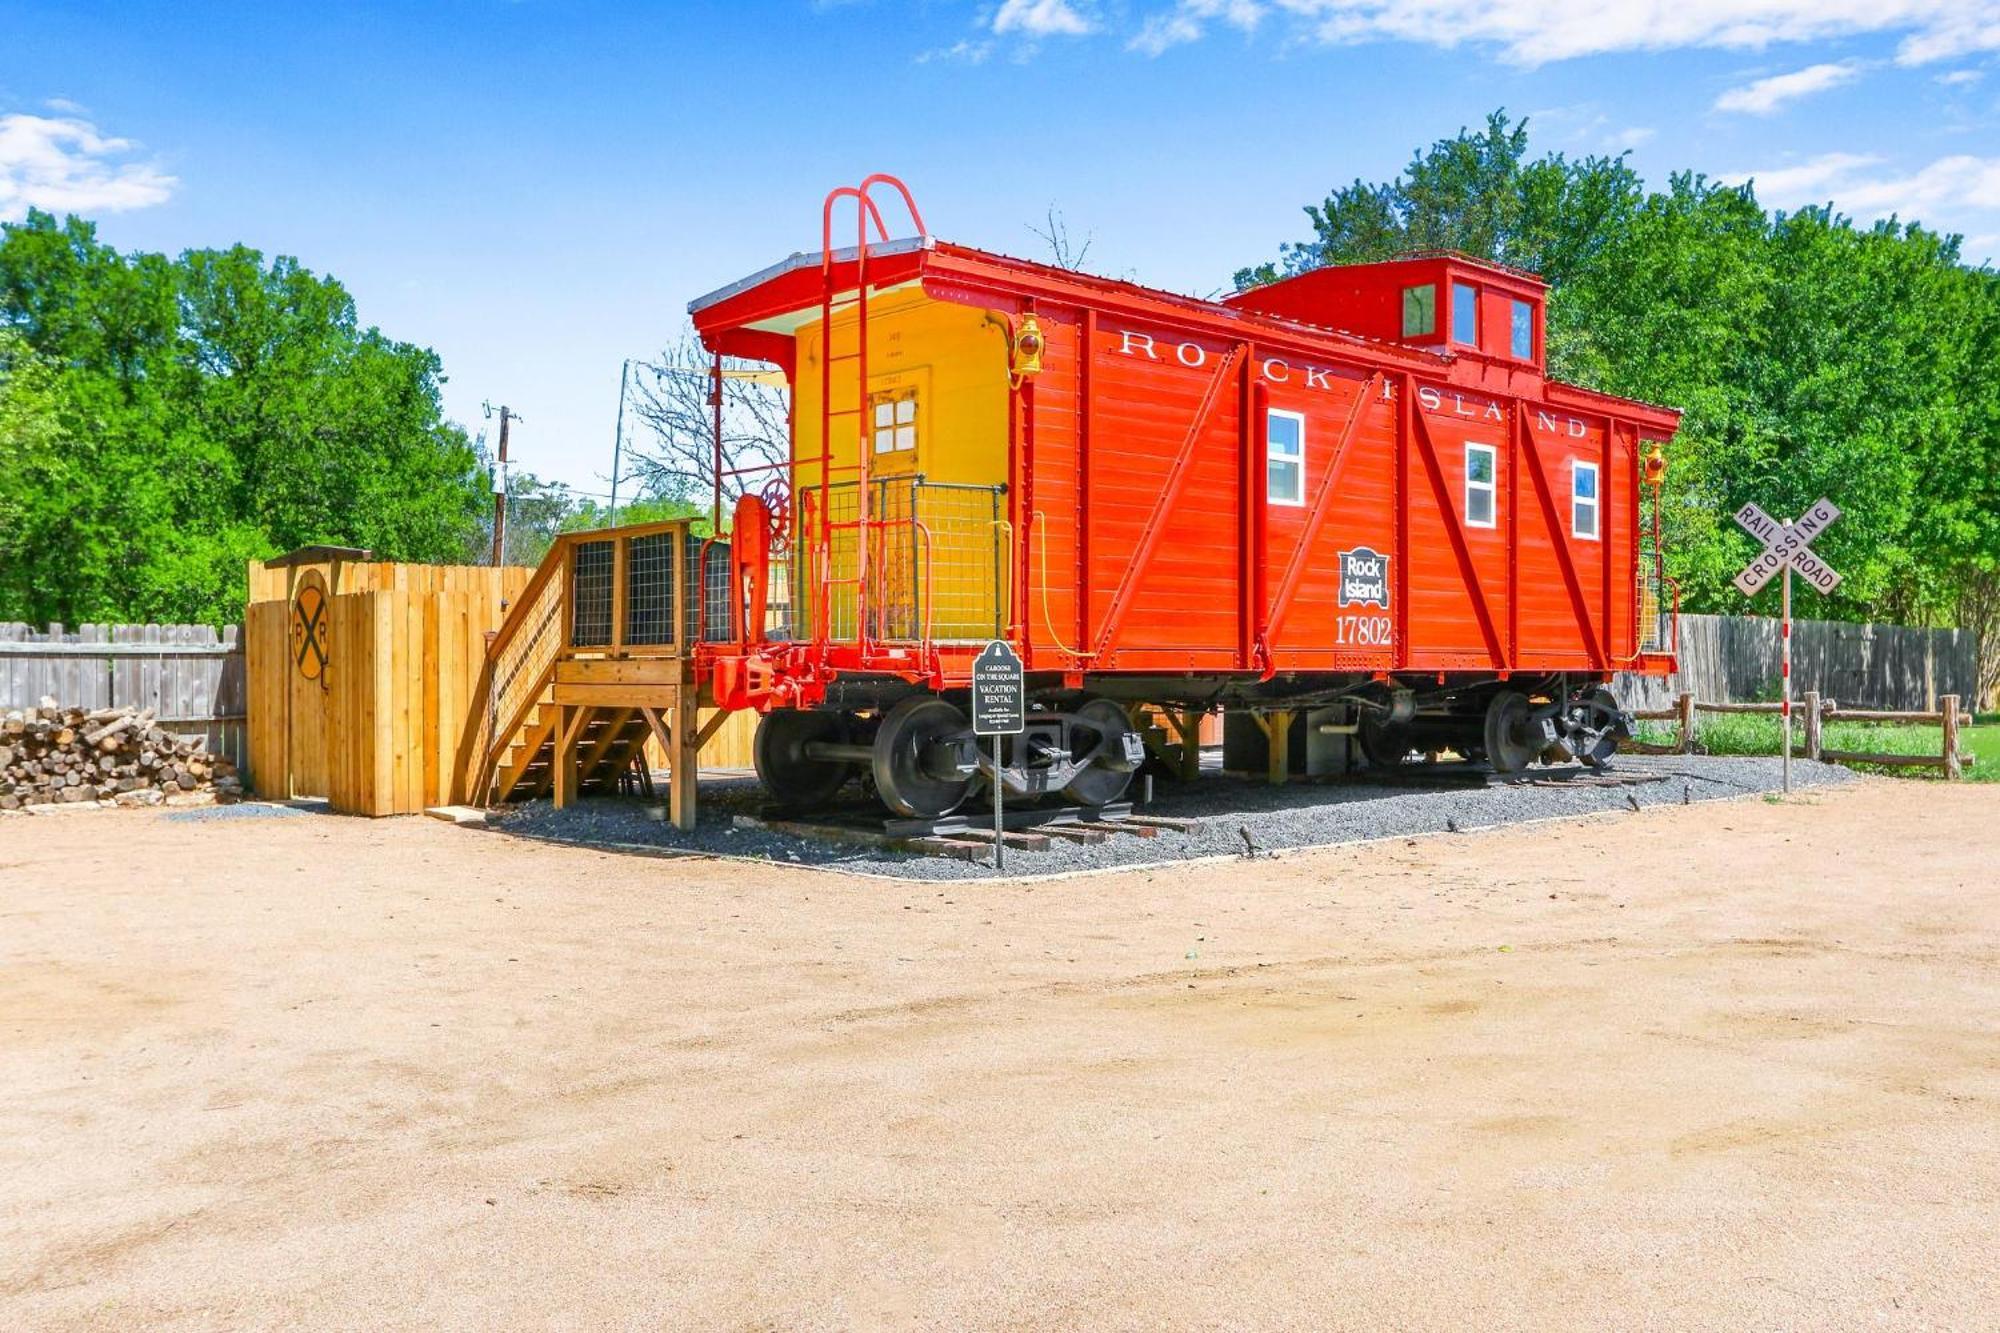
(1420,311)
(1583,500)
(1285,457)
(1465,314)
(1479,467)
(895,421)
(1522,328)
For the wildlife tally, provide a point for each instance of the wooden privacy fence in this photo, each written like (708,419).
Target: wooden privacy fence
(367,684)
(1734,659)
(192,676)
(1816,713)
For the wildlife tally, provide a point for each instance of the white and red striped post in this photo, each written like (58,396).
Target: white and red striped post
(1785,675)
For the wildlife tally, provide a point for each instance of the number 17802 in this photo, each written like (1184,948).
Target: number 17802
(1363,631)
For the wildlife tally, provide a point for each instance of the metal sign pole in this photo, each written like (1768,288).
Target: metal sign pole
(1785,671)
(999,708)
(999,828)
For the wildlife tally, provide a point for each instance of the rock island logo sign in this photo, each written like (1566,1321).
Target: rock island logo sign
(1364,578)
(310,628)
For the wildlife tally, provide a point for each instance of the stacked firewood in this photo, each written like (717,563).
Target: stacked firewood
(52,755)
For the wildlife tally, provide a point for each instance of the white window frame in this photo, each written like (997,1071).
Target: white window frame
(898,434)
(1518,308)
(1471,289)
(1491,488)
(1270,453)
(1594,502)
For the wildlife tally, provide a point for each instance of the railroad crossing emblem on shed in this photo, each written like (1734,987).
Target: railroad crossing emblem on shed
(1785,545)
(310,628)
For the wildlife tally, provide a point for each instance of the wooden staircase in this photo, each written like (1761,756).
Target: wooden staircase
(610,744)
(592,662)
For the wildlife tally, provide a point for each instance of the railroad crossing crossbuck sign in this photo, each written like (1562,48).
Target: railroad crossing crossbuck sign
(1785,545)
(1785,550)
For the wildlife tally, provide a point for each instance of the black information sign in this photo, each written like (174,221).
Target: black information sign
(999,697)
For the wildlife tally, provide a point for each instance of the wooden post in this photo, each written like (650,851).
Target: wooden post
(1190,745)
(1686,706)
(618,554)
(681,781)
(1279,733)
(1813,720)
(1952,770)
(569,726)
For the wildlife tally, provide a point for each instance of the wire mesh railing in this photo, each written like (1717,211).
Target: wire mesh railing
(522,656)
(934,561)
(1657,604)
(590,592)
(709,586)
(649,589)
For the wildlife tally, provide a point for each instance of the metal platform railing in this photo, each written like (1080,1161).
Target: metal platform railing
(1659,606)
(934,565)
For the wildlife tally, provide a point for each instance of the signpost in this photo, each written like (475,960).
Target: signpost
(999,708)
(1786,549)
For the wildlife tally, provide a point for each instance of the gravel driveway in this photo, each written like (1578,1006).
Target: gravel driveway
(1238,816)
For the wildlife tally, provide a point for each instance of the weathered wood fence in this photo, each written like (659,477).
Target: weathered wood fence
(1734,659)
(191,675)
(1815,713)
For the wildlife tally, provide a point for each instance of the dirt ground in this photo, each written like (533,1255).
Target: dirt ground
(1727,1066)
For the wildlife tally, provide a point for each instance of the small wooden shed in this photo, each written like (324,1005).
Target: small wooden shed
(364,676)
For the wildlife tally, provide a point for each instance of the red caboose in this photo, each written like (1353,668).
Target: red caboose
(1352,495)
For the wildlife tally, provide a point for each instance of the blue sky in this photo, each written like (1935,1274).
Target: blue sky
(536,189)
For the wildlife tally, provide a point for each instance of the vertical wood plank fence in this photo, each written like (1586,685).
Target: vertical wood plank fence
(1734,659)
(192,676)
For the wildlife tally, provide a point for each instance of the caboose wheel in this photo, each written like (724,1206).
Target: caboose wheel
(909,776)
(1601,726)
(793,777)
(1099,783)
(1511,744)
(1383,744)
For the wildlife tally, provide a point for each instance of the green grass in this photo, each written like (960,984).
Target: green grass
(1757,734)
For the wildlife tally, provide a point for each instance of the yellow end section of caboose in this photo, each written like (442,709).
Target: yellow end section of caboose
(934,422)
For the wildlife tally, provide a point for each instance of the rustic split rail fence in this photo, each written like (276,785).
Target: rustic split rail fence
(1816,712)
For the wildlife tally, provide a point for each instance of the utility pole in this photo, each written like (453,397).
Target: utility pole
(500,486)
(618,438)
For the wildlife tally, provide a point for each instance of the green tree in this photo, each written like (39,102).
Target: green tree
(1808,355)
(211,409)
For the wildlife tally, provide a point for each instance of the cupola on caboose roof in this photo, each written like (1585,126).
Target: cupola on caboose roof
(1441,300)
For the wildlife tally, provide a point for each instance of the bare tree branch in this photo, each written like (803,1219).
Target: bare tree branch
(672,453)
(1063,253)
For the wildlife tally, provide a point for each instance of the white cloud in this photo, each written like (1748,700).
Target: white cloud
(965,53)
(1534,32)
(1948,188)
(1040,18)
(63,164)
(1767,95)
(1958,78)
(1633,137)
(1188,20)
